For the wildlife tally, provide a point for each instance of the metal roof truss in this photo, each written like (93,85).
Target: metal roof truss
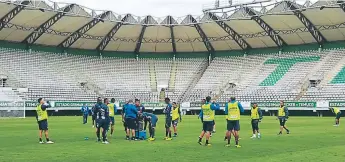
(105,41)
(202,34)
(77,34)
(234,35)
(268,29)
(307,23)
(33,37)
(10,15)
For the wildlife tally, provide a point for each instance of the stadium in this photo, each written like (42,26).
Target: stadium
(260,52)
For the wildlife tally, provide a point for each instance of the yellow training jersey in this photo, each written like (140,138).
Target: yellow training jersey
(175,113)
(281,111)
(111,107)
(254,113)
(207,112)
(41,115)
(336,110)
(233,111)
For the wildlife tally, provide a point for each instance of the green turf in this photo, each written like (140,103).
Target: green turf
(311,139)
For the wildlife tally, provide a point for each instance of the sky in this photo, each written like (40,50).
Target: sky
(155,8)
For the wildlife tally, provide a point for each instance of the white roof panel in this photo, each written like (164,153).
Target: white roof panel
(50,39)
(70,24)
(245,26)
(113,46)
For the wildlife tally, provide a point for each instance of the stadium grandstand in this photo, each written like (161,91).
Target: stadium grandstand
(265,52)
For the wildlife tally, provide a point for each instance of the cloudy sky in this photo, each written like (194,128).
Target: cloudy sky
(156,8)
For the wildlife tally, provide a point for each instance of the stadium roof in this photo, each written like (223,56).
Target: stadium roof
(276,24)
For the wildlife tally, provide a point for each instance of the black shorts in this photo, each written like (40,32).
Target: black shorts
(338,116)
(168,122)
(207,126)
(131,123)
(102,123)
(43,125)
(233,125)
(282,121)
(255,123)
(175,122)
(112,119)
(93,117)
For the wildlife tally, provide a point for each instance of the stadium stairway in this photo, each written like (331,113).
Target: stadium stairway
(172,79)
(153,78)
(304,84)
(197,76)
(336,75)
(11,80)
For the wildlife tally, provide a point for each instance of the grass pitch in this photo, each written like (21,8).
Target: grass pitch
(311,139)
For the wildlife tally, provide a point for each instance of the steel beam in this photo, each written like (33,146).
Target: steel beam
(77,34)
(202,34)
(342,5)
(268,29)
(141,36)
(172,35)
(105,41)
(38,32)
(13,13)
(233,34)
(307,23)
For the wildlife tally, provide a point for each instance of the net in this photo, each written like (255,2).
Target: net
(12,109)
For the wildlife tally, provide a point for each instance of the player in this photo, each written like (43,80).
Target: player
(131,114)
(93,115)
(139,106)
(168,119)
(102,119)
(153,119)
(283,115)
(42,120)
(214,126)
(176,116)
(112,111)
(123,116)
(140,118)
(233,110)
(337,112)
(85,111)
(256,116)
(207,115)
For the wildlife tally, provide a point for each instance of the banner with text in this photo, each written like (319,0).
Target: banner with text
(18,104)
(266,104)
(149,104)
(337,104)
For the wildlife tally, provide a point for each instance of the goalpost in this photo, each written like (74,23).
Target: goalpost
(12,109)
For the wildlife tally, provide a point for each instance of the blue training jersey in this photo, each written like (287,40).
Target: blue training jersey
(154,118)
(131,111)
(167,110)
(85,110)
(101,111)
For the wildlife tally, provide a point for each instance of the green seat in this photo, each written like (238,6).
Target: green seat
(340,77)
(284,64)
